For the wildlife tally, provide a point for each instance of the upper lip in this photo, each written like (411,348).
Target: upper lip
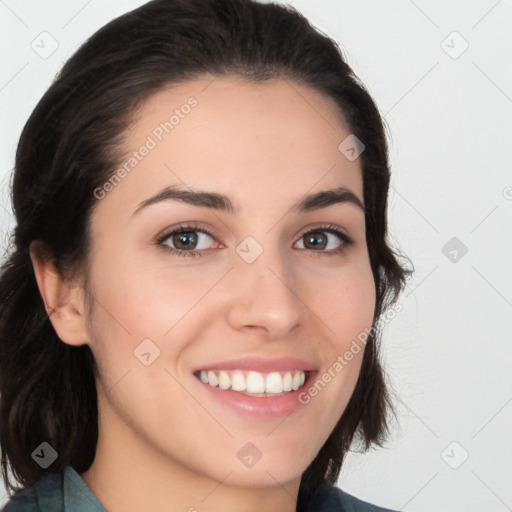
(260,364)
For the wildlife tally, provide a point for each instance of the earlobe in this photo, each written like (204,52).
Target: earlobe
(63,300)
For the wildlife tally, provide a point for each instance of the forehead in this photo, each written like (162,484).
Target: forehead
(269,141)
(276,110)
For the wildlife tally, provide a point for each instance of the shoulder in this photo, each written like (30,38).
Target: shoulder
(44,496)
(22,501)
(329,498)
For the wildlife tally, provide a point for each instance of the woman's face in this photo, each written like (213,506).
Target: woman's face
(267,282)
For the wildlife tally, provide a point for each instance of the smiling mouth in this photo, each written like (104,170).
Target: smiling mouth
(254,383)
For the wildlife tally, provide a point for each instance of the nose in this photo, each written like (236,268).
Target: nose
(266,299)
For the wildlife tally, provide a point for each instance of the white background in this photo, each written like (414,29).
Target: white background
(449,352)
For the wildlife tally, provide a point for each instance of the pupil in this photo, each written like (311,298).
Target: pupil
(183,238)
(313,238)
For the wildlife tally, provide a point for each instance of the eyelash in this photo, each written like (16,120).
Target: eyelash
(328,228)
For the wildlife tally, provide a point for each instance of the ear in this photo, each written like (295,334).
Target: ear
(63,300)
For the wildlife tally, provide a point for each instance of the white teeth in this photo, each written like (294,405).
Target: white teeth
(238,381)
(224,380)
(274,383)
(287,381)
(254,382)
(212,379)
(296,381)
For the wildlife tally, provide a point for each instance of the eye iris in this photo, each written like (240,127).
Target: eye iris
(183,238)
(314,237)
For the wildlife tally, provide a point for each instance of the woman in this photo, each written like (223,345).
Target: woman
(189,317)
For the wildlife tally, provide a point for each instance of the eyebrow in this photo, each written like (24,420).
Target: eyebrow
(213,200)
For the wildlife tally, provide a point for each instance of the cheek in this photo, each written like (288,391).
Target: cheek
(146,301)
(346,303)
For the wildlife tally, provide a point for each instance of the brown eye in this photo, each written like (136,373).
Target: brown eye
(186,241)
(316,240)
(323,240)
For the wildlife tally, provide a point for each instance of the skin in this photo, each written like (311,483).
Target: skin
(164,444)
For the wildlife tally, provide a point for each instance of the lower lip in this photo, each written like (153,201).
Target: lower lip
(259,406)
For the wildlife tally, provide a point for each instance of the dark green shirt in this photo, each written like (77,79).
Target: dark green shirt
(67,492)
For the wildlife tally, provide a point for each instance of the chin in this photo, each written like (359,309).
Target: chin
(271,475)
